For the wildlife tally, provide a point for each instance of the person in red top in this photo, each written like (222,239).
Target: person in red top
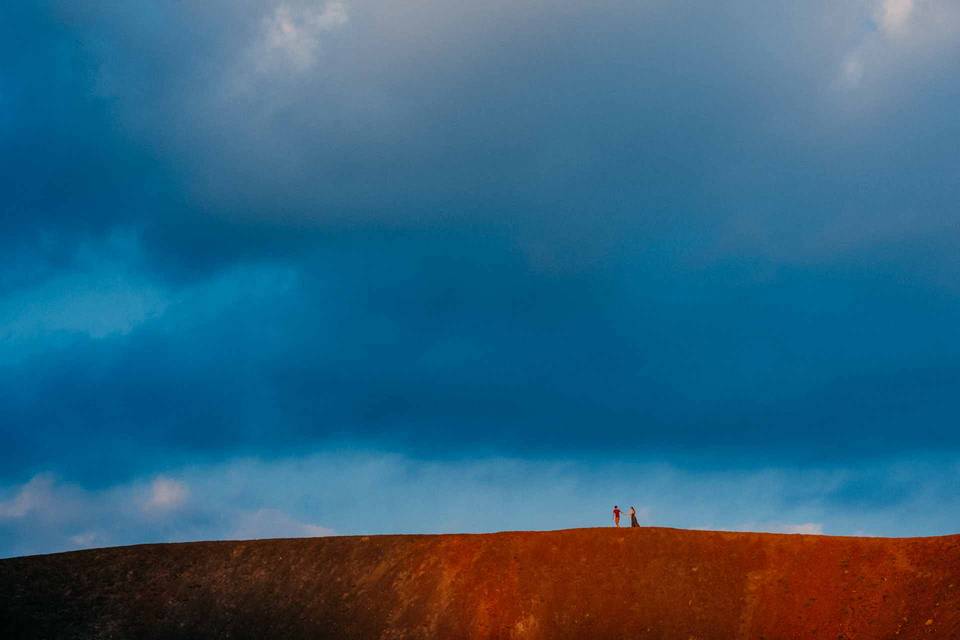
(616,516)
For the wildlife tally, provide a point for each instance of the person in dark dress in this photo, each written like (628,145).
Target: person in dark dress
(633,518)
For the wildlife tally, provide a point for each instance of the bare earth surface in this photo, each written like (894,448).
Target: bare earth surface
(582,583)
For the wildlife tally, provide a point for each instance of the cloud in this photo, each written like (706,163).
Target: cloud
(271,523)
(449,230)
(45,514)
(805,528)
(292,34)
(104,293)
(165,494)
(909,35)
(852,71)
(429,112)
(895,14)
(84,540)
(35,495)
(809,528)
(338,492)
(481,350)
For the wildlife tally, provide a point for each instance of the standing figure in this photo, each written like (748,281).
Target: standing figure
(616,516)
(633,518)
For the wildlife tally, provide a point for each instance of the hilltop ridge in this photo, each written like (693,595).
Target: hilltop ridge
(578,583)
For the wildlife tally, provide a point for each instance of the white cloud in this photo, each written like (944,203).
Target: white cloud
(292,34)
(811,528)
(273,523)
(165,494)
(35,495)
(44,515)
(852,71)
(807,528)
(906,34)
(894,15)
(85,539)
(377,492)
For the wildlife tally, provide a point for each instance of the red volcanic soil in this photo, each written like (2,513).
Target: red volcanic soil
(582,583)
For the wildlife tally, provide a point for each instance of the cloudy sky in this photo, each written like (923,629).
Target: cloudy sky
(281,268)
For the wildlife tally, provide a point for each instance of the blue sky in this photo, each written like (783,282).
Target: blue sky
(294,268)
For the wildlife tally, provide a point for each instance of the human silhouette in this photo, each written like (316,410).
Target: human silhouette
(633,518)
(616,516)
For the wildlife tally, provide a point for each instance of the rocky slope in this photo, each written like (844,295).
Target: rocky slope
(583,583)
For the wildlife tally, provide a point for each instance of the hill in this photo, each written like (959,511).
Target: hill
(582,583)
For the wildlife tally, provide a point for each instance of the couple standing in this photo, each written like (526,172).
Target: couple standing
(633,517)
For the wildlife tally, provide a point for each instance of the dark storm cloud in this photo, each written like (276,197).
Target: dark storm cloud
(385,342)
(455,227)
(216,127)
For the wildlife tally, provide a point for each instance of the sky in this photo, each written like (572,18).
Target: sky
(294,268)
